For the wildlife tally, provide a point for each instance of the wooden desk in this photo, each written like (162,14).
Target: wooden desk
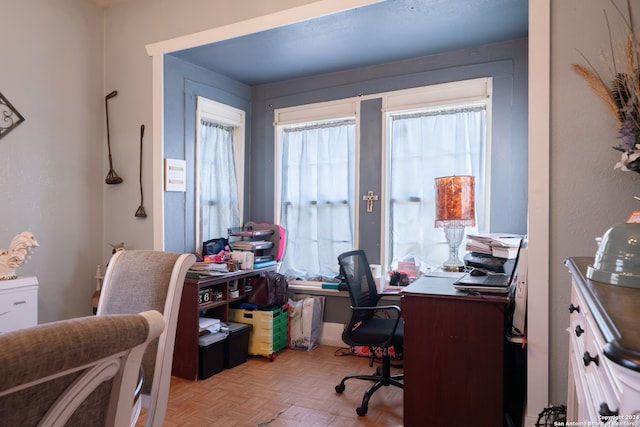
(453,355)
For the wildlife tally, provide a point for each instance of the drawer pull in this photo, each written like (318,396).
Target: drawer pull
(606,414)
(579,331)
(19,302)
(587,359)
(573,308)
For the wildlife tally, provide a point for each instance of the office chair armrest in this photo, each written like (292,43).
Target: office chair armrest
(386,309)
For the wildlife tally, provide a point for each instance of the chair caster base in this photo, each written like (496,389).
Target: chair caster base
(340,388)
(361,411)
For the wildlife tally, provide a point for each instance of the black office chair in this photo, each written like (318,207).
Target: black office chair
(370,325)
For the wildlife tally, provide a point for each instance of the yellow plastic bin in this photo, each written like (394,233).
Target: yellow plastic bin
(270,329)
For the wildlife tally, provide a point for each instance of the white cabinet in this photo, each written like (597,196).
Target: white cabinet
(18,303)
(604,349)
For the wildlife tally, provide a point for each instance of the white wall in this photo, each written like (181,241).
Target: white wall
(130,27)
(51,165)
(587,195)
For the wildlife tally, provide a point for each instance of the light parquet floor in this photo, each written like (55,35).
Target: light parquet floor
(296,389)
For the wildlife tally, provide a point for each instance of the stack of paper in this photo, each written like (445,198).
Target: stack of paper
(204,267)
(501,245)
(209,324)
(251,245)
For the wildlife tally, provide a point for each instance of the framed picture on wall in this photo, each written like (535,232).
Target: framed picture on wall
(9,116)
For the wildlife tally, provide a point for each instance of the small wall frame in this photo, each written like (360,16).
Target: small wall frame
(175,175)
(9,116)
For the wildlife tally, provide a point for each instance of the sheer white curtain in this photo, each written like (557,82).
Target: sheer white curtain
(218,185)
(317,197)
(422,147)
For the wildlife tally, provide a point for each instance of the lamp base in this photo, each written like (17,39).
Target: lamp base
(452,268)
(454,237)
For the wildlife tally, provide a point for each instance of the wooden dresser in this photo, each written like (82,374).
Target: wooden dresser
(604,351)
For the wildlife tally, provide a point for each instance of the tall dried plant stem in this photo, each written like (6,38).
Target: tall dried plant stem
(631,77)
(614,63)
(599,87)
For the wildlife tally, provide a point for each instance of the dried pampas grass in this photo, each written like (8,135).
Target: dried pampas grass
(622,94)
(600,88)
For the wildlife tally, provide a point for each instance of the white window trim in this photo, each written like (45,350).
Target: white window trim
(225,115)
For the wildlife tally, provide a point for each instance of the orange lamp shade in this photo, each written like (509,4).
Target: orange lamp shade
(455,201)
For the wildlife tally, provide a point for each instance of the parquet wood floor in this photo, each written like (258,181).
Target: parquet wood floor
(296,389)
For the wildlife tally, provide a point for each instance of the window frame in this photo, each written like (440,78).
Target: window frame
(225,115)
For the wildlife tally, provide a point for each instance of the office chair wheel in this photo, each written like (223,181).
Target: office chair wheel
(361,410)
(340,388)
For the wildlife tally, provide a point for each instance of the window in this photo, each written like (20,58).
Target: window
(219,169)
(431,132)
(316,182)
(428,132)
(424,146)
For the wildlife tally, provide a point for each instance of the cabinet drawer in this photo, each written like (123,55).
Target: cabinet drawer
(18,308)
(600,384)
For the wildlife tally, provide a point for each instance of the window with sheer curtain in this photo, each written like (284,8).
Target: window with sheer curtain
(219,169)
(423,146)
(317,196)
(218,186)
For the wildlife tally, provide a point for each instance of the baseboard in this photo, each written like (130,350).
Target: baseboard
(332,334)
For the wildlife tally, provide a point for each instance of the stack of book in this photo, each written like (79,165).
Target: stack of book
(500,245)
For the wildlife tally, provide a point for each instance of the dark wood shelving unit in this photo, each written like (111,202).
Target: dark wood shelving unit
(185,352)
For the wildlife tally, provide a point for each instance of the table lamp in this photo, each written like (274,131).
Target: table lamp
(455,210)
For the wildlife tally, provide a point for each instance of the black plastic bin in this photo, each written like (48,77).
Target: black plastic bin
(236,346)
(211,354)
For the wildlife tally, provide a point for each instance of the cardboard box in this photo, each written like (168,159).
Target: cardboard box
(211,354)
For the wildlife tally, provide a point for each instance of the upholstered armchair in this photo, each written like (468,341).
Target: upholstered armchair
(77,372)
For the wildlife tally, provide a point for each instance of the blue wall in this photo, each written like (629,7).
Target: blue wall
(506,62)
(183,83)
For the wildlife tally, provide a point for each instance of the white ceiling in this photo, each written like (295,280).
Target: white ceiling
(392,30)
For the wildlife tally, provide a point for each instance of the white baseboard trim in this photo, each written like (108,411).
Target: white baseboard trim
(332,334)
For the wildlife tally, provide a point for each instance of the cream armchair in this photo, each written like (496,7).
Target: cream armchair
(76,372)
